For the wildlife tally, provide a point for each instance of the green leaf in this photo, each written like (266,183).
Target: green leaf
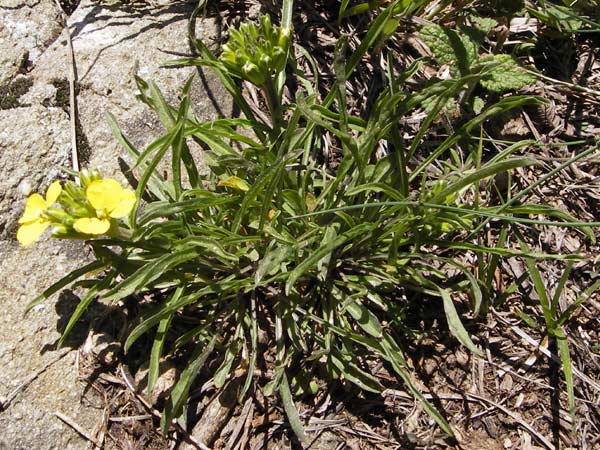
(179,394)
(486,171)
(376,29)
(501,73)
(567,313)
(290,409)
(224,369)
(394,355)
(353,373)
(235,183)
(228,284)
(166,209)
(143,277)
(455,324)
(540,288)
(485,24)
(365,318)
(155,184)
(159,342)
(271,262)
(83,304)
(563,18)
(567,368)
(450,47)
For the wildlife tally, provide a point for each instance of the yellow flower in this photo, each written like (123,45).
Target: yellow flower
(33,223)
(109,200)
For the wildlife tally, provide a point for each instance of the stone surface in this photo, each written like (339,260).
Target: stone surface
(111,46)
(34,144)
(111,43)
(27,27)
(29,421)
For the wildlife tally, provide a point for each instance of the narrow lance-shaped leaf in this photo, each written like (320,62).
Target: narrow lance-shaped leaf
(290,409)
(484,172)
(179,395)
(83,304)
(365,318)
(455,324)
(150,272)
(159,341)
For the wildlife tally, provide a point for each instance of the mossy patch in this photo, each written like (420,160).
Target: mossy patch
(61,98)
(11,91)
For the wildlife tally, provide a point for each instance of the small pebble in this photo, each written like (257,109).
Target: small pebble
(25,188)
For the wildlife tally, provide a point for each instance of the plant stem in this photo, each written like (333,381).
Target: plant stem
(274,105)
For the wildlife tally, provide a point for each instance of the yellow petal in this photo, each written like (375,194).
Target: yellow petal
(53,192)
(104,194)
(91,225)
(29,232)
(125,204)
(34,208)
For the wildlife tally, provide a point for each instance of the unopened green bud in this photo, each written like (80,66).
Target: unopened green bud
(253,74)
(280,57)
(265,62)
(72,192)
(58,215)
(266,27)
(87,176)
(265,21)
(84,176)
(285,35)
(240,57)
(59,231)
(81,211)
(256,52)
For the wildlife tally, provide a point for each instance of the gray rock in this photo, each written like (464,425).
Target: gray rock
(111,46)
(27,28)
(34,144)
(29,421)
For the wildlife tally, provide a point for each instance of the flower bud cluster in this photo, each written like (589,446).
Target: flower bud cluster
(256,53)
(76,211)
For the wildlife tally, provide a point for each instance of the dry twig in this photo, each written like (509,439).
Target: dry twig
(66,419)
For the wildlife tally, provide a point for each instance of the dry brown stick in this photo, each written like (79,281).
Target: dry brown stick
(247,427)
(572,86)
(4,403)
(72,94)
(66,419)
(236,439)
(101,429)
(371,435)
(131,418)
(216,414)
